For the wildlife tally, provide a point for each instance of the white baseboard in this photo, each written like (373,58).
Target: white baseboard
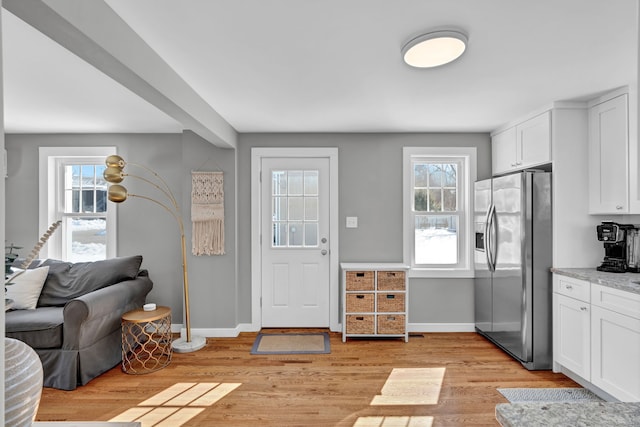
(441,327)
(248,327)
(214,332)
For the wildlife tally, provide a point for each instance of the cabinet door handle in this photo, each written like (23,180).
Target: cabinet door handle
(583,308)
(568,287)
(618,207)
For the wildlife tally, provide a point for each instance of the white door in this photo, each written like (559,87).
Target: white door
(294,242)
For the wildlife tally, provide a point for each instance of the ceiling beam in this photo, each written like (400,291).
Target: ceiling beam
(95,33)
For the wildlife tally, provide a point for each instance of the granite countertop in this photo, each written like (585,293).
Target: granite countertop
(585,414)
(629,282)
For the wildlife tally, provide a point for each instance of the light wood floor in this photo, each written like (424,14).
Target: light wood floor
(310,390)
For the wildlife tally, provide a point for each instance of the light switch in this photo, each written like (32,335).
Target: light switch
(352,222)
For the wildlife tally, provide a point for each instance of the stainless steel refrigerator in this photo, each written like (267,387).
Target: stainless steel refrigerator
(512,257)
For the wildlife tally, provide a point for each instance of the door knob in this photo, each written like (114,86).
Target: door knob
(323,252)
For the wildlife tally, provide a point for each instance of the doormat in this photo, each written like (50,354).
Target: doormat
(574,394)
(310,343)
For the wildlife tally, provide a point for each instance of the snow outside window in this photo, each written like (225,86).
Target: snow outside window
(437,186)
(76,193)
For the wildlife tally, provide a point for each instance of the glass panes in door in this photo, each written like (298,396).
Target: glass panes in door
(294,208)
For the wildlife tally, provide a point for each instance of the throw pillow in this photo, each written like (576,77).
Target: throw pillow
(68,280)
(26,287)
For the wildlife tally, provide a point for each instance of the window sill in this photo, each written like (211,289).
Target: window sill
(424,273)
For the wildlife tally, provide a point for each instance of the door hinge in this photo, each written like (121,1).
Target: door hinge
(260,176)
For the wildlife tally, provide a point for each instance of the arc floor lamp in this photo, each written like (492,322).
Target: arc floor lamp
(114,174)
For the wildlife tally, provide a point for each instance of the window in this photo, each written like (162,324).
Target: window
(437,187)
(74,191)
(295,213)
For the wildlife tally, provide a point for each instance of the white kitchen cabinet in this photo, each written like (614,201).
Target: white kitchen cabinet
(596,336)
(524,145)
(572,320)
(608,156)
(572,335)
(503,151)
(615,340)
(534,140)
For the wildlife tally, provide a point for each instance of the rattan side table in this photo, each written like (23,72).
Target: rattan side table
(146,340)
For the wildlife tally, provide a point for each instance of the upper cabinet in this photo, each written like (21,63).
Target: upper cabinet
(503,151)
(608,155)
(522,146)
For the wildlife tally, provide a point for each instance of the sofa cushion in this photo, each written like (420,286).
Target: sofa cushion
(40,328)
(24,287)
(70,280)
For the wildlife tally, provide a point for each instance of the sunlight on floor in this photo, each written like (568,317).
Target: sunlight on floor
(394,422)
(406,386)
(176,405)
(411,386)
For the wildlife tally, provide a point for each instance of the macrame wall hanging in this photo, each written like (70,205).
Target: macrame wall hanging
(207,213)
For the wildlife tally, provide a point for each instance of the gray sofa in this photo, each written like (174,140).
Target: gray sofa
(75,328)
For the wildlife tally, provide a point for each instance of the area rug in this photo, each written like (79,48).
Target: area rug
(576,394)
(309,343)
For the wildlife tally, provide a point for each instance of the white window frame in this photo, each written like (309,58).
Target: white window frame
(50,181)
(467,155)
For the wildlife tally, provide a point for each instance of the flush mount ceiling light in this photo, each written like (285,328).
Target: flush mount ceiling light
(434,49)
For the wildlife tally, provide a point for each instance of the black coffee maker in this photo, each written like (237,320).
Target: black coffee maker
(614,237)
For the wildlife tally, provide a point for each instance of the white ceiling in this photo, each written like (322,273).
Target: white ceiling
(332,65)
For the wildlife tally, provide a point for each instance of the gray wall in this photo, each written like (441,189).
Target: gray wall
(370,181)
(370,176)
(143,227)
(212,279)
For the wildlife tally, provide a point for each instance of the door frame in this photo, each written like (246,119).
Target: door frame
(257,154)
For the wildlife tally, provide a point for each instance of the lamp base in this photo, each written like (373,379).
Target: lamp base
(181,345)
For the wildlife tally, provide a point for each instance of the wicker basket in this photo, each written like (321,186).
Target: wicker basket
(391,324)
(392,302)
(360,324)
(359,303)
(360,281)
(391,281)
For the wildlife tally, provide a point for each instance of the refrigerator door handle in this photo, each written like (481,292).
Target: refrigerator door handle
(486,238)
(489,235)
(494,238)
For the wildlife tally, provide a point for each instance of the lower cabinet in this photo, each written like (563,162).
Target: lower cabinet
(375,300)
(597,336)
(615,342)
(572,335)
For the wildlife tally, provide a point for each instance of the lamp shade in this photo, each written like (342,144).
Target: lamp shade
(115,161)
(117,193)
(113,175)
(434,48)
